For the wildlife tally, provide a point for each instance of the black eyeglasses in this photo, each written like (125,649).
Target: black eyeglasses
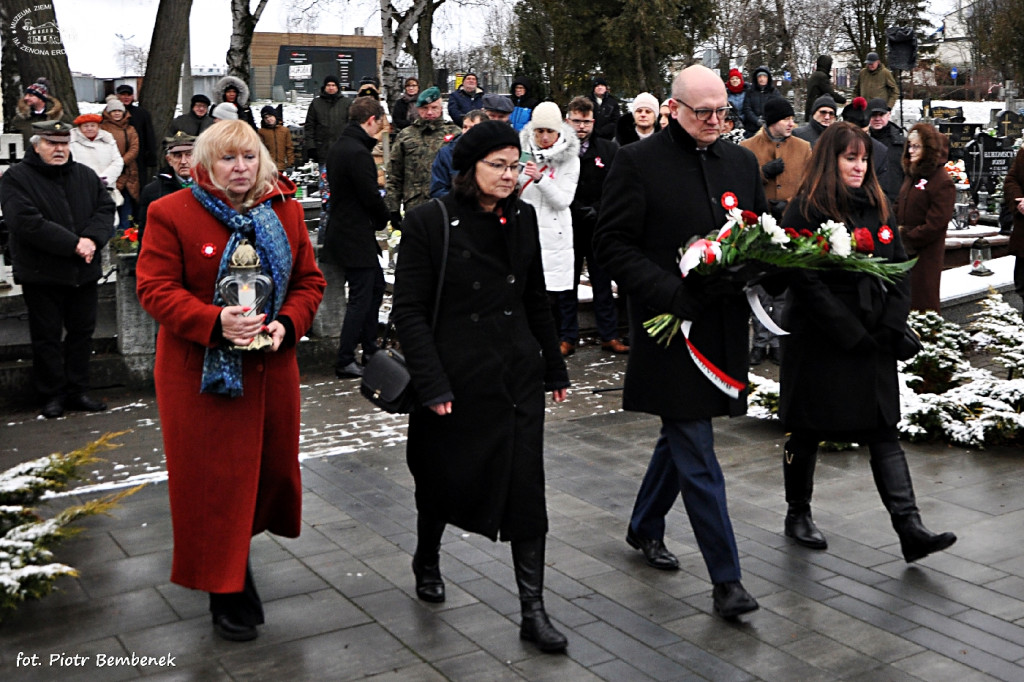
(705,114)
(500,167)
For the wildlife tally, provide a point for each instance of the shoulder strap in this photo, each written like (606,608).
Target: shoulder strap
(444,261)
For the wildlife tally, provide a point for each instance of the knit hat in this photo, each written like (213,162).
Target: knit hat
(431,94)
(599,80)
(199,99)
(547,115)
(856,112)
(125,89)
(500,103)
(481,140)
(871,58)
(878,105)
(88,118)
(729,86)
(331,78)
(225,111)
(268,110)
(41,89)
(776,109)
(114,105)
(645,99)
(823,101)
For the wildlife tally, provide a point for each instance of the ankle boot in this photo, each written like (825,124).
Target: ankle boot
(798,474)
(426,562)
(528,561)
(892,478)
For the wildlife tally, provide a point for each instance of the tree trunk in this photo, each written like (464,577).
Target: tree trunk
(188,88)
(424,54)
(395,28)
(160,87)
(10,78)
(39,53)
(243,23)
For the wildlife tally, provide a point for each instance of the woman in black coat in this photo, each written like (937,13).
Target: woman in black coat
(838,377)
(475,448)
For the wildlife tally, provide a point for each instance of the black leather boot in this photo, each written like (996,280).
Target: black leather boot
(426,562)
(892,478)
(236,614)
(528,561)
(798,474)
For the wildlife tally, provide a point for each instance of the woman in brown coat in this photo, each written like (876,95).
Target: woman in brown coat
(116,122)
(924,209)
(1013,189)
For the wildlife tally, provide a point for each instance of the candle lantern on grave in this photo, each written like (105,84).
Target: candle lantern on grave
(981,253)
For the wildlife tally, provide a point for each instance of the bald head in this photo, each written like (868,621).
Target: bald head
(698,87)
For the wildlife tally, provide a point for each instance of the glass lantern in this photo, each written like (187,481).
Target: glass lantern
(981,253)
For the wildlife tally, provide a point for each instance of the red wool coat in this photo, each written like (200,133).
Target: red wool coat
(232,463)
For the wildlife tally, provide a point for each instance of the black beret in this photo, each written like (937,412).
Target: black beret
(481,140)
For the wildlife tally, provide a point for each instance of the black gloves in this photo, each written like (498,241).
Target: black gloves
(773,168)
(396,220)
(777,207)
(311,154)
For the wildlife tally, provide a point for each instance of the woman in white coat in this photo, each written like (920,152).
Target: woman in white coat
(96,148)
(548,182)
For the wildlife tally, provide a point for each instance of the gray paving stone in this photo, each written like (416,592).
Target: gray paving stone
(831,656)
(478,666)
(965,633)
(634,649)
(707,666)
(86,663)
(415,625)
(934,667)
(626,621)
(969,656)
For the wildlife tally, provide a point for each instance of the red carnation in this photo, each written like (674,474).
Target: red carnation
(749,217)
(863,240)
(823,243)
(807,233)
(792,233)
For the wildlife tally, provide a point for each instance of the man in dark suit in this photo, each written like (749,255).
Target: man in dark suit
(596,156)
(661,192)
(358,212)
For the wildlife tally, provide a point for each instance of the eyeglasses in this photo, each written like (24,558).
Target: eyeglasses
(581,122)
(826,114)
(500,167)
(705,114)
(914,147)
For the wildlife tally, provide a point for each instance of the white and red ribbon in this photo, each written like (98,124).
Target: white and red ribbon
(761,314)
(725,383)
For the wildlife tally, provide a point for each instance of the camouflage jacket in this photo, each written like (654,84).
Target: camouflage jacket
(411,159)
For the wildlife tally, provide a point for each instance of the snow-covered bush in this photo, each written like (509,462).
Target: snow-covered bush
(999,329)
(27,568)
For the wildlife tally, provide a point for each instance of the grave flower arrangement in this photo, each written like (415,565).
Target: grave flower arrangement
(125,241)
(957,172)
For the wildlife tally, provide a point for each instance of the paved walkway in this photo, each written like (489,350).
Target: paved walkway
(340,602)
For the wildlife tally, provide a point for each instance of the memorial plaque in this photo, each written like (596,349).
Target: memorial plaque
(988,159)
(948,112)
(959,135)
(1009,124)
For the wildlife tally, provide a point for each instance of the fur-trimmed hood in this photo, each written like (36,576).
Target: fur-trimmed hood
(935,151)
(567,146)
(54,109)
(222,85)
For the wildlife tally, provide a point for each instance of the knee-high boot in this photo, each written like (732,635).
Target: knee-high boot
(528,560)
(236,614)
(892,478)
(426,562)
(798,474)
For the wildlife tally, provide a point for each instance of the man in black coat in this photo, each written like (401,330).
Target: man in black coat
(143,124)
(891,135)
(823,114)
(820,84)
(59,215)
(596,156)
(661,192)
(358,212)
(606,110)
(195,120)
(176,175)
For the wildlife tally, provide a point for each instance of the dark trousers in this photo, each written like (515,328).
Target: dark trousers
(365,293)
(605,314)
(684,462)
(1018,275)
(60,367)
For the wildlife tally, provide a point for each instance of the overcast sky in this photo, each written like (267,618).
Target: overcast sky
(90,28)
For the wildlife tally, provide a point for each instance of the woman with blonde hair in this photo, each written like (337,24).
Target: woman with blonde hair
(227,380)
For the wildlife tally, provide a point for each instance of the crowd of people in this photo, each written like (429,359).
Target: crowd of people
(501,208)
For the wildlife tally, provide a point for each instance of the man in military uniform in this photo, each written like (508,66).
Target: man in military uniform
(413,155)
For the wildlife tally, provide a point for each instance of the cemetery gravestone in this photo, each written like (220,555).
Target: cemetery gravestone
(988,159)
(1009,124)
(959,135)
(948,112)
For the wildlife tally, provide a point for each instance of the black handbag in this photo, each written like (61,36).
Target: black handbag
(386,382)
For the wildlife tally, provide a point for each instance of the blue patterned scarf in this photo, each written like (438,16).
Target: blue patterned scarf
(222,366)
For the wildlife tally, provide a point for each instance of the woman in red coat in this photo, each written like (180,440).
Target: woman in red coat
(230,416)
(924,209)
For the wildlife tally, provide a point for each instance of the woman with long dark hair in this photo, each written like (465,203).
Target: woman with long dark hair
(838,377)
(476,445)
